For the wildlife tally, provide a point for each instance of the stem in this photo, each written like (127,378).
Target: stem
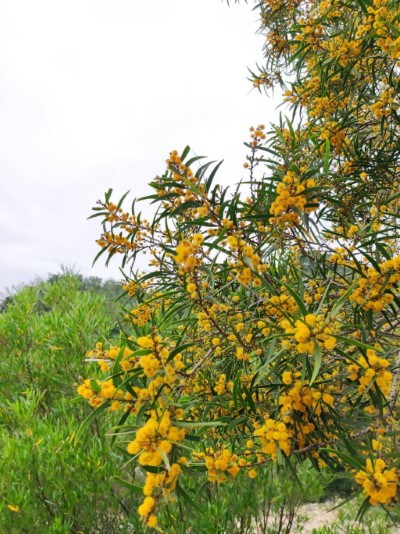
(395,383)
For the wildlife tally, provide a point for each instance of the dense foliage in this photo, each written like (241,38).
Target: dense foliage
(265,331)
(48,483)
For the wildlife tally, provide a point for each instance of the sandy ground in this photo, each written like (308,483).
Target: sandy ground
(321,514)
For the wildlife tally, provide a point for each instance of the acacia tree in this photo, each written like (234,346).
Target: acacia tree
(267,323)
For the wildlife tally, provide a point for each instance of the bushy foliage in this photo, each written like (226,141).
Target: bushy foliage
(49,483)
(266,328)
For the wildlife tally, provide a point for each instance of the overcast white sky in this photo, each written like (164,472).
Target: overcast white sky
(95,94)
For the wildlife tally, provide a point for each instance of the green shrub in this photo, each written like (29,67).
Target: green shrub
(49,483)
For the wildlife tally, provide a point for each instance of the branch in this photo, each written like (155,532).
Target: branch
(395,383)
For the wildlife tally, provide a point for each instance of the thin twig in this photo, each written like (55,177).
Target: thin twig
(395,383)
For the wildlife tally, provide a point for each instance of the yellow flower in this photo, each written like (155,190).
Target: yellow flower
(147,506)
(287,377)
(13,508)
(152,521)
(272,435)
(379,483)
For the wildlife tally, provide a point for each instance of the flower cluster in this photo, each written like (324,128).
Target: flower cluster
(273,436)
(311,328)
(373,291)
(292,198)
(139,315)
(221,464)
(157,436)
(378,482)
(371,369)
(302,398)
(186,253)
(98,392)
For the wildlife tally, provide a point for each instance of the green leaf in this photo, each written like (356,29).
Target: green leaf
(363,508)
(210,274)
(350,341)
(182,493)
(165,459)
(120,426)
(193,160)
(180,348)
(190,437)
(91,418)
(296,297)
(152,469)
(236,389)
(249,398)
(117,368)
(185,152)
(247,261)
(132,487)
(212,175)
(94,385)
(350,460)
(121,200)
(292,469)
(327,156)
(108,195)
(190,424)
(341,301)
(317,361)
(102,251)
